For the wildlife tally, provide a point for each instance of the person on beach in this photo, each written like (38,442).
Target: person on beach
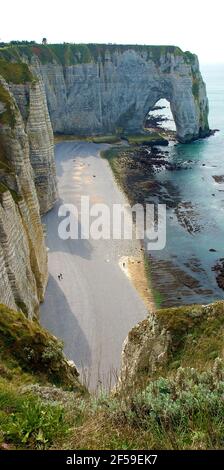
(61,277)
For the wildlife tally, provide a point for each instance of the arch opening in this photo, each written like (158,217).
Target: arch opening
(160,119)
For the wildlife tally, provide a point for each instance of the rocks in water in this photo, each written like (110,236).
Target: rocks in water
(188,217)
(213,131)
(219,271)
(218,178)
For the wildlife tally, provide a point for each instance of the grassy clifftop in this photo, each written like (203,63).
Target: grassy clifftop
(197,334)
(180,409)
(71,54)
(16,73)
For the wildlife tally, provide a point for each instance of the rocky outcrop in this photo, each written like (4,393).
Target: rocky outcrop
(187,336)
(145,348)
(38,352)
(98,89)
(25,138)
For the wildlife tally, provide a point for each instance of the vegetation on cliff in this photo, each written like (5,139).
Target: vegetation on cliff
(34,348)
(197,334)
(71,54)
(15,72)
(178,408)
(31,365)
(7,118)
(150,139)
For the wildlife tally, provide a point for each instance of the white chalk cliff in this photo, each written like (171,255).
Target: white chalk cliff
(27,171)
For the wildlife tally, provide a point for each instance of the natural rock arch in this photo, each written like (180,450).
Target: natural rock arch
(181,84)
(161,117)
(98,88)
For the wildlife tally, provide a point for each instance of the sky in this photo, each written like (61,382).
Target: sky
(193,25)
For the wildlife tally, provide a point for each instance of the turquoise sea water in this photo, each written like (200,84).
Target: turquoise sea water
(182,272)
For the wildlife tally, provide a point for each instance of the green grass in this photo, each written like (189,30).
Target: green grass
(197,334)
(26,422)
(32,357)
(180,409)
(105,139)
(184,411)
(100,139)
(15,72)
(112,156)
(72,54)
(65,137)
(151,139)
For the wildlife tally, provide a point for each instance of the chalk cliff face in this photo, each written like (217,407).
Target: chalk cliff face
(26,150)
(98,89)
(113,90)
(145,349)
(33,107)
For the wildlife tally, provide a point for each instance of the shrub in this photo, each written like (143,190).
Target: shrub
(188,408)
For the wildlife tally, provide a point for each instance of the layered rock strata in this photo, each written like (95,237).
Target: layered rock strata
(25,139)
(33,108)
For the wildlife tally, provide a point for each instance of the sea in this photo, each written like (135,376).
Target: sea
(189,269)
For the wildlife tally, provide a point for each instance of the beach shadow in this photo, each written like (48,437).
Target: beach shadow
(79,247)
(57,317)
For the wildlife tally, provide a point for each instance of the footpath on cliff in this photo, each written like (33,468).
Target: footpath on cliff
(94,306)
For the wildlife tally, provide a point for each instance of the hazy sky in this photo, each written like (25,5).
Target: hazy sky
(193,25)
